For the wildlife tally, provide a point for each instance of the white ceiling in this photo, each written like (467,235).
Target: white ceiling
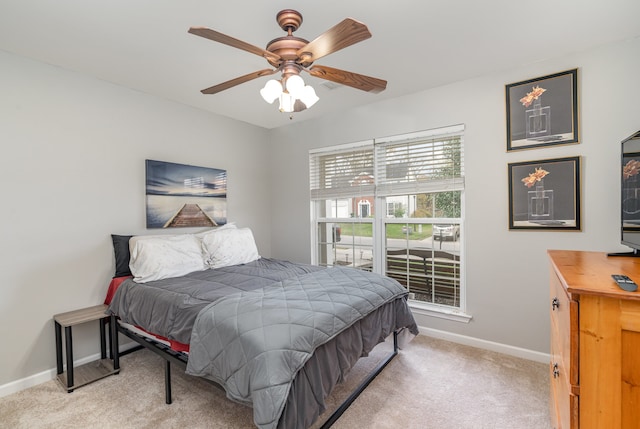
(416,45)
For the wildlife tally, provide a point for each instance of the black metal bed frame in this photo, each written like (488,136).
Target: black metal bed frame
(171,356)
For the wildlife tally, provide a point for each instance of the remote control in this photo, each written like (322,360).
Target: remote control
(625,282)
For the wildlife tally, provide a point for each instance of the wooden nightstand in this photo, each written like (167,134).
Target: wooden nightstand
(92,371)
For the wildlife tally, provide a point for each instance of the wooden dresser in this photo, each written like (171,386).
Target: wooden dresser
(595,341)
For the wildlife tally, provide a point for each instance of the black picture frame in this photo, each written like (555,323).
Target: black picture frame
(545,194)
(543,111)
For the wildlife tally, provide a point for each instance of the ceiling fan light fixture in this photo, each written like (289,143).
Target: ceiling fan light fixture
(295,86)
(308,96)
(287,102)
(288,91)
(271,91)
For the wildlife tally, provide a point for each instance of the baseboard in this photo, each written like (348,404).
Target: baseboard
(487,345)
(50,374)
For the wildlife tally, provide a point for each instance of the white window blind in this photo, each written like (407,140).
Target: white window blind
(429,161)
(342,172)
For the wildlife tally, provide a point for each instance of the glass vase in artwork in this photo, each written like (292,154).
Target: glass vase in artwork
(540,203)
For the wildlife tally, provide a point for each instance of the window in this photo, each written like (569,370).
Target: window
(395,208)
(342,194)
(417,181)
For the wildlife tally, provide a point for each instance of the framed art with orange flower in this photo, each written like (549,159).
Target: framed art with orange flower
(543,111)
(545,194)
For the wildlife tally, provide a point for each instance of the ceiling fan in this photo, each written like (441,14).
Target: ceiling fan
(290,55)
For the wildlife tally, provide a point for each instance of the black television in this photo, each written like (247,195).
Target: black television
(630,194)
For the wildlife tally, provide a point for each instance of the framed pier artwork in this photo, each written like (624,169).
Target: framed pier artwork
(179,195)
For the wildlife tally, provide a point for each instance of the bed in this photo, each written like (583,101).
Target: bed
(276,335)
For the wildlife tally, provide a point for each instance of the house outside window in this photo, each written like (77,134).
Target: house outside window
(416,238)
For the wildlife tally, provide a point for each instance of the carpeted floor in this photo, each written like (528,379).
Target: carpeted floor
(430,384)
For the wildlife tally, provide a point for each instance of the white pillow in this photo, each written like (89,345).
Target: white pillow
(202,235)
(161,257)
(232,246)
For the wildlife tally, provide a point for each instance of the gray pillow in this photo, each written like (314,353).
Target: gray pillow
(121,251)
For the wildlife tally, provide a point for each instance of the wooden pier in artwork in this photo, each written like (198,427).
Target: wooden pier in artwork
(190,215)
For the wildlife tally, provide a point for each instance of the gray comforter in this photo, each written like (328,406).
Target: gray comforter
(253,343)
(169,307)
(252,327)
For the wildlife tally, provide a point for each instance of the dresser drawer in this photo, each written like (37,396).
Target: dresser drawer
(564,330)
(565,409)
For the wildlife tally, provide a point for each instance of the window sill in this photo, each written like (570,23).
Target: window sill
(439,311)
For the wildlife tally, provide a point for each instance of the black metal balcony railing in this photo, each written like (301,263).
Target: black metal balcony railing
(432,275)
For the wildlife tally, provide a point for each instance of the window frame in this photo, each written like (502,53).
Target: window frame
(381,218)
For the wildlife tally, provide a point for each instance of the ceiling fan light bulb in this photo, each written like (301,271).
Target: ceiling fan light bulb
(271,91)
(287,102)
(295,86)
(309,97)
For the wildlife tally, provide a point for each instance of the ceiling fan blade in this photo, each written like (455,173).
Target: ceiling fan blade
(237,81)
(216,36)
(354,80)
(346,33)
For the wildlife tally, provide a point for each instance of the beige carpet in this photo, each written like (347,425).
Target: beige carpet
(430,384)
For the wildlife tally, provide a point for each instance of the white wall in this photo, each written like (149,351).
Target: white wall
(72,168)
(72,173)
(506,271)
